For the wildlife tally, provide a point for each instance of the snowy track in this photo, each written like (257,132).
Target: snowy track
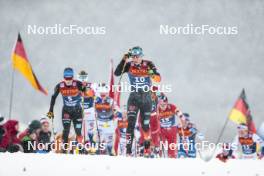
(20,164)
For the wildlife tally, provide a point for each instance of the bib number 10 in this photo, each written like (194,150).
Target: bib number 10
(139,79)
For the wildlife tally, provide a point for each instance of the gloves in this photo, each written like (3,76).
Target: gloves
(156,78)
(50,115)
(150,72)
(125,57)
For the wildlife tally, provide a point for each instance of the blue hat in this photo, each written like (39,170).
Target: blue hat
(68,73)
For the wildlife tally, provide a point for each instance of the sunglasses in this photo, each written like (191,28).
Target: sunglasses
(135,57)
(242,128)
(68,79)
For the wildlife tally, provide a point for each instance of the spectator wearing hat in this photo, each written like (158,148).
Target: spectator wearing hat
(34,125)
(29,141)
(44,135)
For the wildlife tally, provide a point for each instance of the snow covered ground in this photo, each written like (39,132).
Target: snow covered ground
(21,164)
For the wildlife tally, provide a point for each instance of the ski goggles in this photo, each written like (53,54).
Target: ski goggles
(68,78)
(136,56)
(242,127)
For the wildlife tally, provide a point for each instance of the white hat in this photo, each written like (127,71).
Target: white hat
(44,120)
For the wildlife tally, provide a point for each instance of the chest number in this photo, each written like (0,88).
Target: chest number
(139,79)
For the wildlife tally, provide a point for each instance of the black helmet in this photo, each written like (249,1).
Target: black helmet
(136,51)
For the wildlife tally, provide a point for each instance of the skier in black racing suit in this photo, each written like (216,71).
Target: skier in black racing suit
(71,90)
(141,73)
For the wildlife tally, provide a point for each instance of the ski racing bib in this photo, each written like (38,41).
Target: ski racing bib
(70,94)
(104,109)
(167,119)
(248,145)
(138,76)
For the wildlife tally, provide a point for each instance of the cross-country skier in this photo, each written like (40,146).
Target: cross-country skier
(71,91)
(104,109)
(187,134)
(120,133)
(167,113)
(88,108)
(141,72)
(248,142)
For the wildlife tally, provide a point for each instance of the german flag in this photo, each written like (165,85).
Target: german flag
(22,64)
(241,112)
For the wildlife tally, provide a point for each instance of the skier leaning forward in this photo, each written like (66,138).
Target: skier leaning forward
(89,125)
(141,72)
(248,142)
(71,90)
(104,110)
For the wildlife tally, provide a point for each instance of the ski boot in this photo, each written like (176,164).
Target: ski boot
(147,150)
(155,152)
(79,140)
(146,144)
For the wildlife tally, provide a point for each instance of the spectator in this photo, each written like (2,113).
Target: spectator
(29,140)
(44,135)
(34,125)
(9,141)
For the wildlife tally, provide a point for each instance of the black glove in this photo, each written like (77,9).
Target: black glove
(126,56)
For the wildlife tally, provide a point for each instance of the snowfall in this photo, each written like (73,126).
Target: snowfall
(21,164)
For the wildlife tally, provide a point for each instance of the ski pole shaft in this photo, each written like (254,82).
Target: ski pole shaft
(219,137)
(52,126)
(123,69)
(98,132)
(158,114)
(83,122)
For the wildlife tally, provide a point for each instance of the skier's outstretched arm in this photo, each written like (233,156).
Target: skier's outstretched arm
(178,113)
(122,67)
(53,97)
